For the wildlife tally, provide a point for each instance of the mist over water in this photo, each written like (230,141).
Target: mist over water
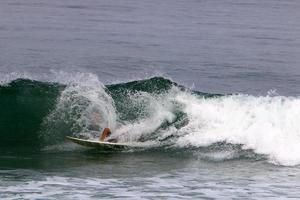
(209,90)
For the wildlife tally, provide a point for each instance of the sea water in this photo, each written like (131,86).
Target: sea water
(208,89)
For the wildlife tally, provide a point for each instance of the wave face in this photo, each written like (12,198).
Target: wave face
(153,111)
(24,104)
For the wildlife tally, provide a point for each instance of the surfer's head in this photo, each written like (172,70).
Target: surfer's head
(106,133)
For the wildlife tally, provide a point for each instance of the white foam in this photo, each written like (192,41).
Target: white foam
(267,125)
(159,110)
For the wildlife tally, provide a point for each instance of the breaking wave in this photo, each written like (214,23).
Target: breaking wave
(156,110)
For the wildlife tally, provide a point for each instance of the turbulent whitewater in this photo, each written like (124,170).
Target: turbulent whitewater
(156,111)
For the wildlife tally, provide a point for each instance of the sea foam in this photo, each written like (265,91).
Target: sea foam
(267,125)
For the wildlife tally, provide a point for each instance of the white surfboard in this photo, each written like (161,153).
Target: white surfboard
(97,144)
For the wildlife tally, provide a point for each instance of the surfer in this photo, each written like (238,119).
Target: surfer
(105,134)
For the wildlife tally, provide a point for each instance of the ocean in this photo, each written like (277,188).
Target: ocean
(208,90)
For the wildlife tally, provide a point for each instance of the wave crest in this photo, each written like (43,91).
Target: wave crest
(154,110)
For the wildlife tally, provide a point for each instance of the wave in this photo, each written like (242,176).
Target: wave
(154,110)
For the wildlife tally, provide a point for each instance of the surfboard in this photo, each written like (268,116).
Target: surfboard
(97,144)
